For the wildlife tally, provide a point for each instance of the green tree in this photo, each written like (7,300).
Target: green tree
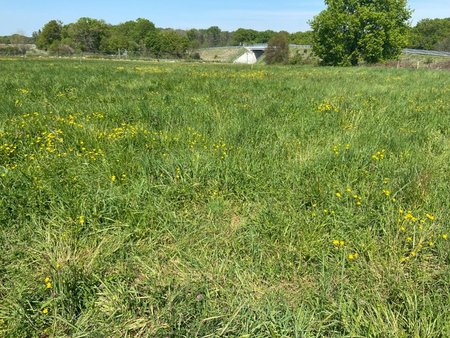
(350,31)
(265,36)
(277,51)
(302,38)
(86,34)
(195,38)
(431,34)
(213,35)
(168,43)
(244,36)
(131,36)
(51,33)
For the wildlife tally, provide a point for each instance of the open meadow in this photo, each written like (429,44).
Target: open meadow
(144,199)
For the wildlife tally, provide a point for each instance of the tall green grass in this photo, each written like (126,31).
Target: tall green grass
(156,199)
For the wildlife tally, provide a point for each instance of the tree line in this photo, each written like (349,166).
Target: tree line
(142,37)
(346,32)
(432,34)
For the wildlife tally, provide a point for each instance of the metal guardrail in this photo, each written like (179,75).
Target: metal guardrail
(406,50)
(425,52)
(260,46)
(264,46)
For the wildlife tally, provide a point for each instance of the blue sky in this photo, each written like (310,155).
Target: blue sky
(26,16)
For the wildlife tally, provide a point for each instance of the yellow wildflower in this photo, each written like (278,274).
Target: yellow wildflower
(338,195)
(45,310)
(352,256)
(113,178)
(430,217)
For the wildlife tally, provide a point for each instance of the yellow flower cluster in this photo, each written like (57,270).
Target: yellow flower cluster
(356,198)
(326,107)
(70,120)
(379,155)
(419,233)
(337,243)
(352,256)
(48,282)
(255,74)
(48,141)
(339,147)
(340,244)
(120,178)
(23,91)
(7,149)
(148,70)
(125,131)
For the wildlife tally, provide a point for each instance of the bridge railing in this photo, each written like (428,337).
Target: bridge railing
(264,46)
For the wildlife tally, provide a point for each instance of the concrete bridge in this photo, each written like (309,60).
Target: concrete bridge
(254,52)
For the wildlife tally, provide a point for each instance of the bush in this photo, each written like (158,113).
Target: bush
(278,50)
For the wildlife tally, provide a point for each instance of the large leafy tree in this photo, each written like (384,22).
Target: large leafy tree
(130,36)
(168,43)
(245,36)
(87,34)
(350,31)
(50,34)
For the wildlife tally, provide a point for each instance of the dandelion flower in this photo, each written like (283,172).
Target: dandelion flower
(352,256)
(45,310)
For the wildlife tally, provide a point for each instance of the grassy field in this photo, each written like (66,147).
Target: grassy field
(181,200)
